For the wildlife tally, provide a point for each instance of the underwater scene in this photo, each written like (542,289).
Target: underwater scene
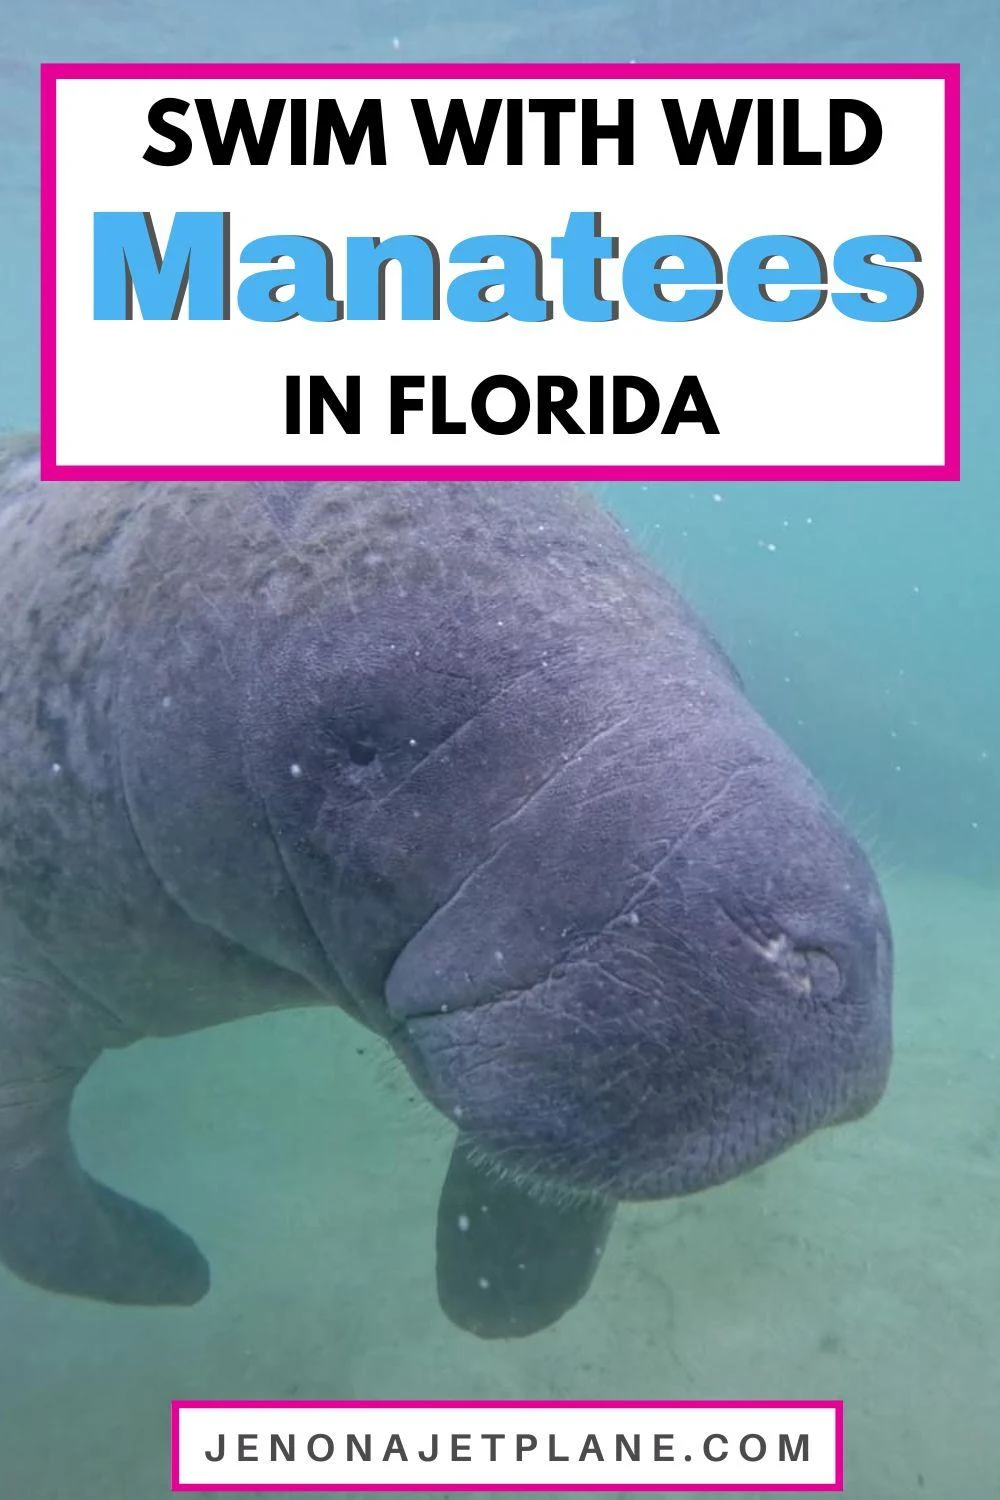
(813,713)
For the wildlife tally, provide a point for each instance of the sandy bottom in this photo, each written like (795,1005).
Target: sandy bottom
(865,1264)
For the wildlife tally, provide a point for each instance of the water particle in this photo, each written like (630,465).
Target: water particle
(56,768)
(395,44)
(457,1111)
(717,499)
(412,744)
(167,702)
(295,769)
(633,919)
(484,1283)
(463,1223)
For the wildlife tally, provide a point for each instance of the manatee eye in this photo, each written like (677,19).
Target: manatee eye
(360,753)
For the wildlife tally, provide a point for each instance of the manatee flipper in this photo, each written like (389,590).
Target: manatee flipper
(59,1228)
(507,1263)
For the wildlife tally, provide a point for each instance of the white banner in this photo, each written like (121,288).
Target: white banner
(608,272)
(505,1445)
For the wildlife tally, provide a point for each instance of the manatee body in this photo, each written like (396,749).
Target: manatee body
(454,759)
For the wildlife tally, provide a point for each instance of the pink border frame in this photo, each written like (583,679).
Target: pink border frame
(800,1489)
(948,72)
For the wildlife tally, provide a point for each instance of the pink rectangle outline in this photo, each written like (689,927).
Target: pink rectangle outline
(949,73)
(800,1489)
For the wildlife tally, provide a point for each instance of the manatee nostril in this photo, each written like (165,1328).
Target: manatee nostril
(817,973)
(812,972)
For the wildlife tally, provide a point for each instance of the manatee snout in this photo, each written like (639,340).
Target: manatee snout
(677,966)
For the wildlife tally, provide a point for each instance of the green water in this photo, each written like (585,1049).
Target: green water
(866,623)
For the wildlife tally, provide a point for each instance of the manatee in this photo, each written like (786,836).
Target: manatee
(456,760)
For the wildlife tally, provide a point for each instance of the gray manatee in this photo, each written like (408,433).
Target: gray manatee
(456,760)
